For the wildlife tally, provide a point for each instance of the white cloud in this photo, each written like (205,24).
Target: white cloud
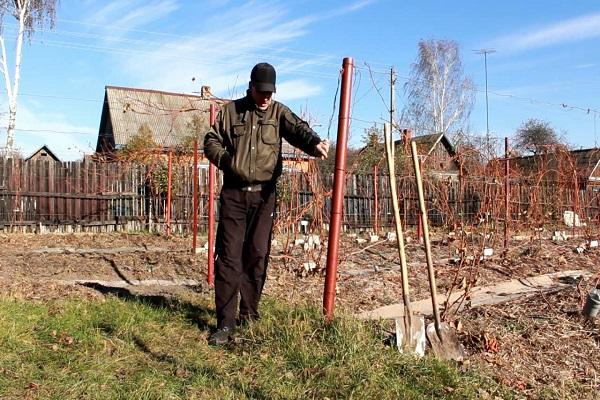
(129,15)
(296,89)
(572,30)
(229,44)
(142,15)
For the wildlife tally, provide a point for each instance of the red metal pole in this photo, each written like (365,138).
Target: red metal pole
(337,200)
(169,184)
(575,199)
(376,223)
(420,215)
(506,193)
(195,201)
(211,210)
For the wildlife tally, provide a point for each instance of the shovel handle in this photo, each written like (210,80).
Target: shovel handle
(389,152)
(430,271)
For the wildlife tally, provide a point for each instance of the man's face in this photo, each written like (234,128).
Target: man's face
(262,99)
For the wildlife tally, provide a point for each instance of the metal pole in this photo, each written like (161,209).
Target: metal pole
(392,106)
(485,52)
(376,200)
(337,199)
(575,200)
(506,193)
(487,110)
(211,209)
(420,233)
(169,184)
(195,201)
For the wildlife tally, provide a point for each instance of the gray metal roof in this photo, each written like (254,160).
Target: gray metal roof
(168,115)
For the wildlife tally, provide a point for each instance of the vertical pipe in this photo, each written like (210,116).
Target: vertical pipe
(169,184)
(376,200)
(211,209)
(506,193)
(419,216)
(575,199)
(392,103)
(338,189)
(195,200)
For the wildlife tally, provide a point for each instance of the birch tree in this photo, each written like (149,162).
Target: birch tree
(30,15)
(439,96)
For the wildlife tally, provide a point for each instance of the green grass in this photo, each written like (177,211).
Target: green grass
(149,349)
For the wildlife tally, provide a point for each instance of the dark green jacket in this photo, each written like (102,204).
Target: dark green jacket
(245,142)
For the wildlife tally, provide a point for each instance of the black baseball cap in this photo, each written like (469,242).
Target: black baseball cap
(263,77)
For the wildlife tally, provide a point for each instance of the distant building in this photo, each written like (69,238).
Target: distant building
(561,166)
(435,151)
(43,153)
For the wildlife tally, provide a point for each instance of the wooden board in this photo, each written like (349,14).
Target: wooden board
(485,295)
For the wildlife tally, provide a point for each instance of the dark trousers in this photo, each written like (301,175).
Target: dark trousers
(242,252)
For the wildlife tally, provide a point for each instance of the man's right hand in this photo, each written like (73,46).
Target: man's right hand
(322,149)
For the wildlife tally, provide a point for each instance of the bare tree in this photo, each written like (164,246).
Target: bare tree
(439,97)
(30,15)
(536,136)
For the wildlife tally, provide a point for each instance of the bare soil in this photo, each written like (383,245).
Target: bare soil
(540,345)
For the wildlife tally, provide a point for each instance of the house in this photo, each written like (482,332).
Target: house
(43,153)
(169,117)
(436,152)
(562,166)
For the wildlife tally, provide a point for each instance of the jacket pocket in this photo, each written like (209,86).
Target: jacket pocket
(268,132)
(238,130)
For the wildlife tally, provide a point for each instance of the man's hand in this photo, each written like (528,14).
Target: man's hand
(322,149)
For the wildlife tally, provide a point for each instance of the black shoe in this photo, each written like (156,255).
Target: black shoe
(220,337)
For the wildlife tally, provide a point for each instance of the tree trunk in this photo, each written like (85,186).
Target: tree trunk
(12,92)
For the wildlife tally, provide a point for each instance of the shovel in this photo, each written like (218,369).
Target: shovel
(410,332)
(441,336)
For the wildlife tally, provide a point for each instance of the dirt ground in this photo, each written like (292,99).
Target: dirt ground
(539,344)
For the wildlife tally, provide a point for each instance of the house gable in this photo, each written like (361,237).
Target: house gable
(43,153)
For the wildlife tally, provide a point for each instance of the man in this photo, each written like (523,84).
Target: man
(245,143)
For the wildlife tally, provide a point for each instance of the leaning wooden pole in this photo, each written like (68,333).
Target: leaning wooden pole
(339,178)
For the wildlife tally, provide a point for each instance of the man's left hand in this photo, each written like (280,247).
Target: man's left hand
(322,149)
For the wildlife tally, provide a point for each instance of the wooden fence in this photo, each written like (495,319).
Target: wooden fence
(44,196)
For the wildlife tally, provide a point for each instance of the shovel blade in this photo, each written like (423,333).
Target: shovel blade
(447,347)
(414,341)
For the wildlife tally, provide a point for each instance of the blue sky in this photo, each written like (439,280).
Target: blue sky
(546,64)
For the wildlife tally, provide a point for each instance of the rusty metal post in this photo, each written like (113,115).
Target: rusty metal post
(211,210)
(376,200)
(169,184)
(420,214)
(506,193)
(337,200)
(195,201)
(575,200)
